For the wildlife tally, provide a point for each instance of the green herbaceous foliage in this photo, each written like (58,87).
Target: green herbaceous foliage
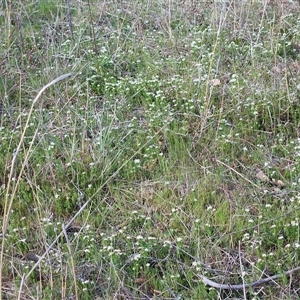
(176,138)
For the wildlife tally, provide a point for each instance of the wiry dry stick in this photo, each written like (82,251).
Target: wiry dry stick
(238,173)
(8,204)
(10,195)
(242,271)
(245,286)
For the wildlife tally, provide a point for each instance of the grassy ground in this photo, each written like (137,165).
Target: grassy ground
(171,152)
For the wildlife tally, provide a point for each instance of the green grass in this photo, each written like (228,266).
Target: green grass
(138,173)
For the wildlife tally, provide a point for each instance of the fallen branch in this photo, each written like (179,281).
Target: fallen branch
(243,286)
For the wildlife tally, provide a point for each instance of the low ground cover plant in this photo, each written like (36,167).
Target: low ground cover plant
(164,165)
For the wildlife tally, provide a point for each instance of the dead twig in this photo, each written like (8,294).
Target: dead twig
(220,286)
